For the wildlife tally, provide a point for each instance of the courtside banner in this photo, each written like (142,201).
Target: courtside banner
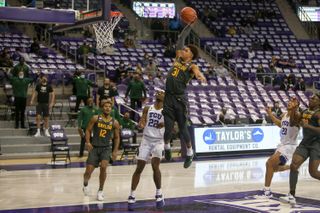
(229,139)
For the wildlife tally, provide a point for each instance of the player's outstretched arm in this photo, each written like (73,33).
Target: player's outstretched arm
(275,120)
(183,35)
(143,119)
(198,74)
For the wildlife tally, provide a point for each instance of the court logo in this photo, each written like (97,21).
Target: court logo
(209,136)
(257,135)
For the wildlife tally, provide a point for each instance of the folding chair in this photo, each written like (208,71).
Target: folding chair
(32,124)
(72,115)
(129,148)
(56,111)
(59,146)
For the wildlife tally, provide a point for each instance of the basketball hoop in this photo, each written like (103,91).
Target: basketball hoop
(104,32)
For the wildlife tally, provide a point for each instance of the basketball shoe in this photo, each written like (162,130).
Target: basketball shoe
(267,193)
(131,202)
(85,190)
(288,199)
(167,154)
(188,161)
(159,201)
(100,196)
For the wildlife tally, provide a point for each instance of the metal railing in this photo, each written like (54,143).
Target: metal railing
(308,25)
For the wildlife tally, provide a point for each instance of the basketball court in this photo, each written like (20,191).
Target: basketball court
(207,186)
(210,185)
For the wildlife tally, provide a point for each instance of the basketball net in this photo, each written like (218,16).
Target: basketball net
(104,32)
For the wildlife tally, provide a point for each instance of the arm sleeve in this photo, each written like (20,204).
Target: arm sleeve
(182,37)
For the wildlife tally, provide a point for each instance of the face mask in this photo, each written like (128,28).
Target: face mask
(21,76)
(82,76)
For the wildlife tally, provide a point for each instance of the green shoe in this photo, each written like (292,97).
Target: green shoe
(188,161)
(167,154)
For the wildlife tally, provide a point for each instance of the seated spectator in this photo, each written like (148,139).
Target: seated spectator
(227,54)
(285,85)
(210,73)
(232,31)
(5,58)
(300,85)
(286,63)
(120,73)
(267,46)
(225,117)
(145,60)
(276,110)
(260,73)
(274,61)
(22,53)
(251,54)
(247,29)
(35,47)
(256,45)
(158,81)
(291,62)
(129,68)
(221,70)
(291,80)
(170,51)
(138,68)
(151,69)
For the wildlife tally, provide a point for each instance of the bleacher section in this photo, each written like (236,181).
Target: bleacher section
(305,53)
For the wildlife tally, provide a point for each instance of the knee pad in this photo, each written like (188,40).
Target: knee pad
(283,160)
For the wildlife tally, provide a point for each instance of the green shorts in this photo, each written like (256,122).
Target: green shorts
(98,154)
(312,151)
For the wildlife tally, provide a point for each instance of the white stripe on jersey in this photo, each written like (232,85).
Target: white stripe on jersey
(288,134)
(154,117)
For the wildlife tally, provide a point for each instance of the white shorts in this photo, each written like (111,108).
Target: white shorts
(150,147)
(287,150)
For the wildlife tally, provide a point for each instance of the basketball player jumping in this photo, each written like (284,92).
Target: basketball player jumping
(152,144)
(308,148)
(175,101)
(102,127)
(289,125)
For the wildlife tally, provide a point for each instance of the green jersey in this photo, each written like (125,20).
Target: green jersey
(20,86)
(82,86)
(310,136)
(178,78)
(85,115)
(102,132)
(136,89)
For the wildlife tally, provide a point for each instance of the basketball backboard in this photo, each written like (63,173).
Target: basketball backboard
(86,11)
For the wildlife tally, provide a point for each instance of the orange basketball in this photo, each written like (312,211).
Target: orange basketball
(188,15)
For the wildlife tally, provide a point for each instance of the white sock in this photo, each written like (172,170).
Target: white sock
(158,192)
(167,146)
(189,151)
(133,193)
(267,188)
(38,130)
